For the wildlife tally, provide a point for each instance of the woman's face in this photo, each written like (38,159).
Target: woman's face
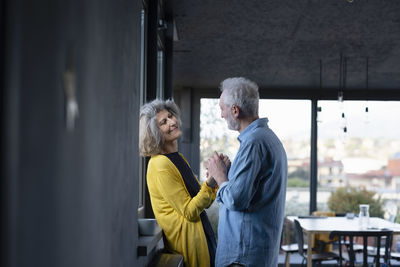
(168,125)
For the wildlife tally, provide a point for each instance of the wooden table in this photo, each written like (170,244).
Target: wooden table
(325,225)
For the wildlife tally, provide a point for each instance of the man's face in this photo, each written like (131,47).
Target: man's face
(226,113)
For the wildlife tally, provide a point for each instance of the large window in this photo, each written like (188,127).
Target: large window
(359,148)
(290,120)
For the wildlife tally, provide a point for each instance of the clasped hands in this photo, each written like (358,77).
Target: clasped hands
(217,169)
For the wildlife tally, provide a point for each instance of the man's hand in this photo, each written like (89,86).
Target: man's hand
(217,169)
(226,161)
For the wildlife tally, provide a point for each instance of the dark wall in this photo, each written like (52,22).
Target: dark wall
(70,197)
(188,101)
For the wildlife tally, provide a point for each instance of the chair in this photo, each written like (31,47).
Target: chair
(343,235)
(372,249)
(321,242)
(316,257)
(290,249)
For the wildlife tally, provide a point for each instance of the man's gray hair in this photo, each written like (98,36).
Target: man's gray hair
(151,139)
(243,93)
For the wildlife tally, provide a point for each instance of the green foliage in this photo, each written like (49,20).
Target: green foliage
(296,182)
(300,173)
(348,199)
(397,218)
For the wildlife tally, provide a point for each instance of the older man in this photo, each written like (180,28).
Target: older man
(252,193)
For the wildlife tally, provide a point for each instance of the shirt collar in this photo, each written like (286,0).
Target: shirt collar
(262,122)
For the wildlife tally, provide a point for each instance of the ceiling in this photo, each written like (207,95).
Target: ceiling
(290,44)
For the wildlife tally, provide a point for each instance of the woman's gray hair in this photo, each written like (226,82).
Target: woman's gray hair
(151,139)
(242,93)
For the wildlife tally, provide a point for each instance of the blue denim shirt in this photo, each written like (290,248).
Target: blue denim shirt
(253,200)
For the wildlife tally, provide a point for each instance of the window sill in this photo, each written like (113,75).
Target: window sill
(147,244)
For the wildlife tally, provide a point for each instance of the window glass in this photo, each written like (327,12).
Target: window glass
(289,119)
(359,152)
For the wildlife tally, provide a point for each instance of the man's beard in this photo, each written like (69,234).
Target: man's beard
(233,124)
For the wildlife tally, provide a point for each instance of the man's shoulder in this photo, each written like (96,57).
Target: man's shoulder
(257,135)
(253,144)
(262,139)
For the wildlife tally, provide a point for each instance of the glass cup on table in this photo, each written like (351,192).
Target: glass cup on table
(363,216)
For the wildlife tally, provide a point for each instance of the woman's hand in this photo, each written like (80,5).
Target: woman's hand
(211,182)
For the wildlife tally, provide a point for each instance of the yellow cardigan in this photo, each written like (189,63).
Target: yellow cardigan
(177,213)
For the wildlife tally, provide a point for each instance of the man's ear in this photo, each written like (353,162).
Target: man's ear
(235,111)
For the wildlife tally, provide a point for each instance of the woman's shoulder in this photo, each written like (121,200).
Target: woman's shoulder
(161,163)
(159,159)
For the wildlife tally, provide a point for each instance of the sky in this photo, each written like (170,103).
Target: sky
(293,117)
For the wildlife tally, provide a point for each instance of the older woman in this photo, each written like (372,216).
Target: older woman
(177,198)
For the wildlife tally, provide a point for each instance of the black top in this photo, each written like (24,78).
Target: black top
(193,187)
